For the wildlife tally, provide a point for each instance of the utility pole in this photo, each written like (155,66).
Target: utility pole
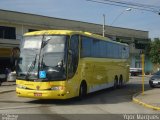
(104,25)
(143,58)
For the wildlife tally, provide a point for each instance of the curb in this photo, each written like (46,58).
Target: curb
(1,92)
(135,100)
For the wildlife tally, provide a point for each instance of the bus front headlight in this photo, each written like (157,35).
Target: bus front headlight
(57,88)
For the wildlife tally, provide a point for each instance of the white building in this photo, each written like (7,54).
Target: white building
(14,24)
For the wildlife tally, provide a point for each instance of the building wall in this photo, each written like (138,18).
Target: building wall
(148,65)
(23,22)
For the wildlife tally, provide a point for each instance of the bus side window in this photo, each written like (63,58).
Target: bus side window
(73,55)
(124,52)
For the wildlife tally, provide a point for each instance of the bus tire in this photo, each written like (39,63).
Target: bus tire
(83,90)
(121,81)
(115,83)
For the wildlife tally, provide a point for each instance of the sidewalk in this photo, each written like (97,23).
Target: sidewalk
(7,87)
(150,99)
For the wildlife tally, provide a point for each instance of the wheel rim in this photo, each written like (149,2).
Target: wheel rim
(115,83)
(82,91)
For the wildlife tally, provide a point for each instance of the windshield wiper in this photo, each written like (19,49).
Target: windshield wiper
(31,67)
(43,44)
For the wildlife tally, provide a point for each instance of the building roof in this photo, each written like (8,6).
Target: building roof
(58,23)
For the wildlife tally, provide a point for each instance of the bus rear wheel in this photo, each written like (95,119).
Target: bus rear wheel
(83,90)
(115,83)
(121,81)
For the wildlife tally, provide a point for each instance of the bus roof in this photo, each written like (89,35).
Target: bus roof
(69,32)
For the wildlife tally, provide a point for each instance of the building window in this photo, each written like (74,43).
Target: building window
(7,32)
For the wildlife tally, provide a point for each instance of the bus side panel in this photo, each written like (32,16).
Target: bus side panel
(100,75)
(104,72)
(87,73)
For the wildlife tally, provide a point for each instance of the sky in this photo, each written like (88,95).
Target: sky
(82,10)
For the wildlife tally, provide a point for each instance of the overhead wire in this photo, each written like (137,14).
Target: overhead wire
(133,4)
(145,7)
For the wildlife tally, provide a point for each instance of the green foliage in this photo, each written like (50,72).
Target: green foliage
(148,49)
(155,51)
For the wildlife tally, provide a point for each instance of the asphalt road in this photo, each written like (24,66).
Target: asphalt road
(97,105)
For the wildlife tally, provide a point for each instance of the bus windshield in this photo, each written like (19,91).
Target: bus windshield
(45,54)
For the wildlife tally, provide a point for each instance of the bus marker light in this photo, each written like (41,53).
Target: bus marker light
(67,92)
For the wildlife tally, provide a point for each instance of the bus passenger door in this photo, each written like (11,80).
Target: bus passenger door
(73,58)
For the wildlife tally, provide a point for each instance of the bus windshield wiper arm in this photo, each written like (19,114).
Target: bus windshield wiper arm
(31,66)
(43,44)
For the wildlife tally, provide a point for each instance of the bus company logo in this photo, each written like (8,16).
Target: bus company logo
(37,87)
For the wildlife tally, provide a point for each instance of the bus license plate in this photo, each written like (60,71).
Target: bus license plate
(37,94)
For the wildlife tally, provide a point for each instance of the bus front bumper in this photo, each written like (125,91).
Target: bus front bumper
(42,94)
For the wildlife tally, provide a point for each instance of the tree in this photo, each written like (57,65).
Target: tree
(155,51)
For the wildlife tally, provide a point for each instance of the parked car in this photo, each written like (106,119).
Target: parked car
(11,76)
(135,71)
(155,80)
(2,76)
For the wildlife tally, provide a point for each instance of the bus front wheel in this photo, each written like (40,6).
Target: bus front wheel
(82,90)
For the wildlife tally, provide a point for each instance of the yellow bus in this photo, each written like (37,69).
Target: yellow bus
(61,64)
